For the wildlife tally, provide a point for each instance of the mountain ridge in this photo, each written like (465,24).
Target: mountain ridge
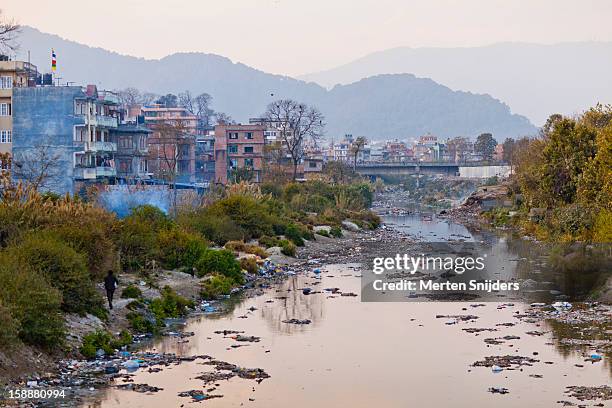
(376,107)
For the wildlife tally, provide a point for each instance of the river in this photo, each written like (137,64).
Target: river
(358,354)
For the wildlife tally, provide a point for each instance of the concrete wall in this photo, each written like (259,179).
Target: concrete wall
(484,171)
(45,116)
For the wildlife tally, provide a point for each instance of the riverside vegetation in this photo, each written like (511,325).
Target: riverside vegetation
(562,180)
(55,250)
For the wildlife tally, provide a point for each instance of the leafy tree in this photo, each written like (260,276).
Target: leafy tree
(485,145)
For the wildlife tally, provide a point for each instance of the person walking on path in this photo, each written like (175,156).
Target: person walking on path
(110,284)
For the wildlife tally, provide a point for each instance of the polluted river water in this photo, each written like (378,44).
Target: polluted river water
(358,354)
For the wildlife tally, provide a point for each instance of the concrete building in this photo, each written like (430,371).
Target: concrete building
(13,74)
(238,147)
(132,154)
(67,128)
(205,158)
(397,151)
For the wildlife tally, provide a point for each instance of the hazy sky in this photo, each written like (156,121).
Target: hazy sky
(300,36)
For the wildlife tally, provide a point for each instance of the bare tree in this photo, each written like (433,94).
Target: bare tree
(169,142)
(296,123)
(356,147)
(224,118)
(38,167)
(9,30)
(198,106)
(147,98)
(129,96)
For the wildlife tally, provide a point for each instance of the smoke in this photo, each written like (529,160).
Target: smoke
(121,199)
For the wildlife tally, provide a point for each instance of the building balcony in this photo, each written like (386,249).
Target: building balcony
(99,120)
(92,173)
(100,146)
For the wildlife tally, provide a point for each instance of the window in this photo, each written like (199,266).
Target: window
(312,164)
(5,109)
(232,148)
(80,108)
(80,134)
(248,135)
(233,163)
(5,136)
(233,135)
(6,82)
(248,149)
(248,163)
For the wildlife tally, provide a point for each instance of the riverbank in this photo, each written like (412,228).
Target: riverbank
(277,305)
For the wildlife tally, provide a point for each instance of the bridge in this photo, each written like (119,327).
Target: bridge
(467,170)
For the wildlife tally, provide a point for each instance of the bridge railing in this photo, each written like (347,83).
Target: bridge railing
(371,164)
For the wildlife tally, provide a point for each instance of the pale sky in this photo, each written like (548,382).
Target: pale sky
(295,37)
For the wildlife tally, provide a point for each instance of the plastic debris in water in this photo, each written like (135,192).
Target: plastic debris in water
(497,369)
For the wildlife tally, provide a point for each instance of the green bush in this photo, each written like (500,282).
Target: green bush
(92,342)
(64,268)
(287,247)
(220,261)
(269,242)
(33,304)
(131,292)
(169,305)
(215,227)
(215,286)
(335,231)
(137,242)
(293,233)
(249,214)
(140,323)
(179,249)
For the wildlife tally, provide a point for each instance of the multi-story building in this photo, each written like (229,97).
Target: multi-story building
(172,145)
(13,74)
(238,147)
(131,159)
(66,130)
(205,157)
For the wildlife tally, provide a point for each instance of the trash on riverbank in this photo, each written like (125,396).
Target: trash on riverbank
(297,321)
(505,361)
(582,393)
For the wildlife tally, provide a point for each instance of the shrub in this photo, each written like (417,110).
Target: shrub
(169,305)
(137,243)
(140,323)
(240,246)
(131,292)
(269,242)
(215,286)
(287,247)
(217,228)
(221,261)
(335,231)
(179,249)
(64,268)
(249,265)
(292,232)
(249,214)
(34,305)
(101,339)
